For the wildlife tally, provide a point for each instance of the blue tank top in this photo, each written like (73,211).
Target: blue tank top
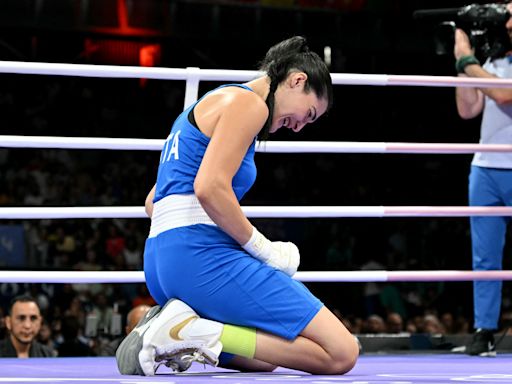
(183,152)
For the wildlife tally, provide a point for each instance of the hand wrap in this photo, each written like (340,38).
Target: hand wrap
(277,254)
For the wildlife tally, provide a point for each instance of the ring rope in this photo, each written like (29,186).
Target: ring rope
(121,71)
(77,277)
(114,71)
(261,212)
(16,141)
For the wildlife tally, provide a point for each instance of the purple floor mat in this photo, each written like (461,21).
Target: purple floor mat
(386,369)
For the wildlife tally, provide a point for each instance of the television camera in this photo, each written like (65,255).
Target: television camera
(483,23)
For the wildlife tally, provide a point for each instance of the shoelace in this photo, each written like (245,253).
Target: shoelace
(180,356)
(180,361)
(183,362)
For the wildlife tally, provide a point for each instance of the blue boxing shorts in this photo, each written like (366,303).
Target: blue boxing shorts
(207,269)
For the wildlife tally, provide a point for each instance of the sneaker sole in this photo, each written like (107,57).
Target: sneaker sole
(127,354)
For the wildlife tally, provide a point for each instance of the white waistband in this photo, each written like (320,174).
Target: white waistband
(176,211)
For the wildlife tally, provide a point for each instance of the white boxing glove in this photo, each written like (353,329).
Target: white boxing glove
(277,254)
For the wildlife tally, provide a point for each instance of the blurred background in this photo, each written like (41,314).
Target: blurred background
(354,36)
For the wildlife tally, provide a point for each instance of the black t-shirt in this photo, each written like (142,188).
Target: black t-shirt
(36,349)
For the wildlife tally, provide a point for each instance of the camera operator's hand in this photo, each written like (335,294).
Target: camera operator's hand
(462,45)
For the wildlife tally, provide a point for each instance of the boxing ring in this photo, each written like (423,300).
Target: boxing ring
(390,369)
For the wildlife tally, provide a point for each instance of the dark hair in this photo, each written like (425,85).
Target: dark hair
(290,55)
(22,299)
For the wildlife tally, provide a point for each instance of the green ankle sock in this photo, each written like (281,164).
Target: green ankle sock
(239,341)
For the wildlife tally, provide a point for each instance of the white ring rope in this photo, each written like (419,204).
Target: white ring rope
(313,276)
(58,142)
(260,212)
(121,71)
(114,71)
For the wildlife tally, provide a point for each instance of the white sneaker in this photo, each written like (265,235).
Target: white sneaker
(178,336)
(127,354)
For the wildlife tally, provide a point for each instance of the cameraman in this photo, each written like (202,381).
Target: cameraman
(490,180)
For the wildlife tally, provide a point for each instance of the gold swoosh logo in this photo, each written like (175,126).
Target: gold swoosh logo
(174,332)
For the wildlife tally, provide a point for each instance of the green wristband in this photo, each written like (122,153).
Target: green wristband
(464,61)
